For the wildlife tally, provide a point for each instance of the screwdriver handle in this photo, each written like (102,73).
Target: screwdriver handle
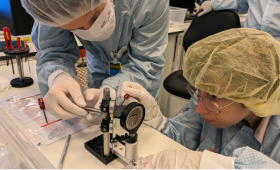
(24,42)
(126,96)
(41,103)
(8,39)
(19,43)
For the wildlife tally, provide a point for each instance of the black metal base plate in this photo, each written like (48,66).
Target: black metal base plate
(95,147)
(26,81)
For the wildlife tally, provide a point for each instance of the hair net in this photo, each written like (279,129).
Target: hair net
(238,64)
(59,12)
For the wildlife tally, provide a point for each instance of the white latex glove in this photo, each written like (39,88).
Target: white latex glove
(135,90)
(57,99)
(93,98)
(205,7)
(130,100)
(186,159)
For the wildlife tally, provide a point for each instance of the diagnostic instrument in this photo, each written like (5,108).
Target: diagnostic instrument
(111,144)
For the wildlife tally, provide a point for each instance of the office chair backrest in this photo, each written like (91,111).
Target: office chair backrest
(209,24)
(201,27)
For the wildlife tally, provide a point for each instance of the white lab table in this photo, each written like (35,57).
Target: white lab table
(77,157)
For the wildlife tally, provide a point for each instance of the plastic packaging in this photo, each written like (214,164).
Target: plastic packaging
(31,134)
(24,111)
(177,15)
(16,150)
(24,131)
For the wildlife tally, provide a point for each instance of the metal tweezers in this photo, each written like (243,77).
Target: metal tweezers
(87,108)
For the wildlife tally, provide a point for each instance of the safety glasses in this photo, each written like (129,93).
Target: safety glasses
(212,106)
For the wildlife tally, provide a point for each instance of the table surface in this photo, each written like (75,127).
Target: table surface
(150,140)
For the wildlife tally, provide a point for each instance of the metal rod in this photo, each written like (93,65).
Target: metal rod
(22,67)
(28,63)
(60,164)
(100,147)
(106,143)
(92,109)
(19,67)
(12,64)
(106,93)
(7,60)
(115,129)
(45,116)
(106,135)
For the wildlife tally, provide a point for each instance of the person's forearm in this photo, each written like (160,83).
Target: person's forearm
(57,50)
(238,6)
(248,158)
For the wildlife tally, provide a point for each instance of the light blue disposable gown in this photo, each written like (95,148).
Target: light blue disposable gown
(190,129)
(142,25)
(263,15)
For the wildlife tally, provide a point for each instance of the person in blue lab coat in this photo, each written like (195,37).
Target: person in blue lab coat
(263,15)
(233,120)
(132,35)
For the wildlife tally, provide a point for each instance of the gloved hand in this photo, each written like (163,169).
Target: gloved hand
(135,90)
(206,7)
(57,99)
(93,98)
(185,159)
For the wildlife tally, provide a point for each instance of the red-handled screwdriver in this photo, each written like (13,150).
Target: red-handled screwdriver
(8,40)
(42,107)
(19,44)
(126,96)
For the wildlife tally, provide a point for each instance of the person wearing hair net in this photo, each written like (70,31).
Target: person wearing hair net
(131,35)
(232,120)
(262,14)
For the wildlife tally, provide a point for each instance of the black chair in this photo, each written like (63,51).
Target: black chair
(201,27)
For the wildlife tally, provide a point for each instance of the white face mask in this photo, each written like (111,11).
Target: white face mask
(102,28)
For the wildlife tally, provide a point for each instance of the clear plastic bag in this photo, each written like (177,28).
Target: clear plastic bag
(16,150)
(24,111)
(31,133)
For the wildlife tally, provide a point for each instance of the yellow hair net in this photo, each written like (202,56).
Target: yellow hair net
(238,64)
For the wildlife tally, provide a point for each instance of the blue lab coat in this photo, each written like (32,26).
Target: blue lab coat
(141,26)
(263,15)
(190,129)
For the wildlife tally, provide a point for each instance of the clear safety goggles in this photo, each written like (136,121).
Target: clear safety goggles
(212,106)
